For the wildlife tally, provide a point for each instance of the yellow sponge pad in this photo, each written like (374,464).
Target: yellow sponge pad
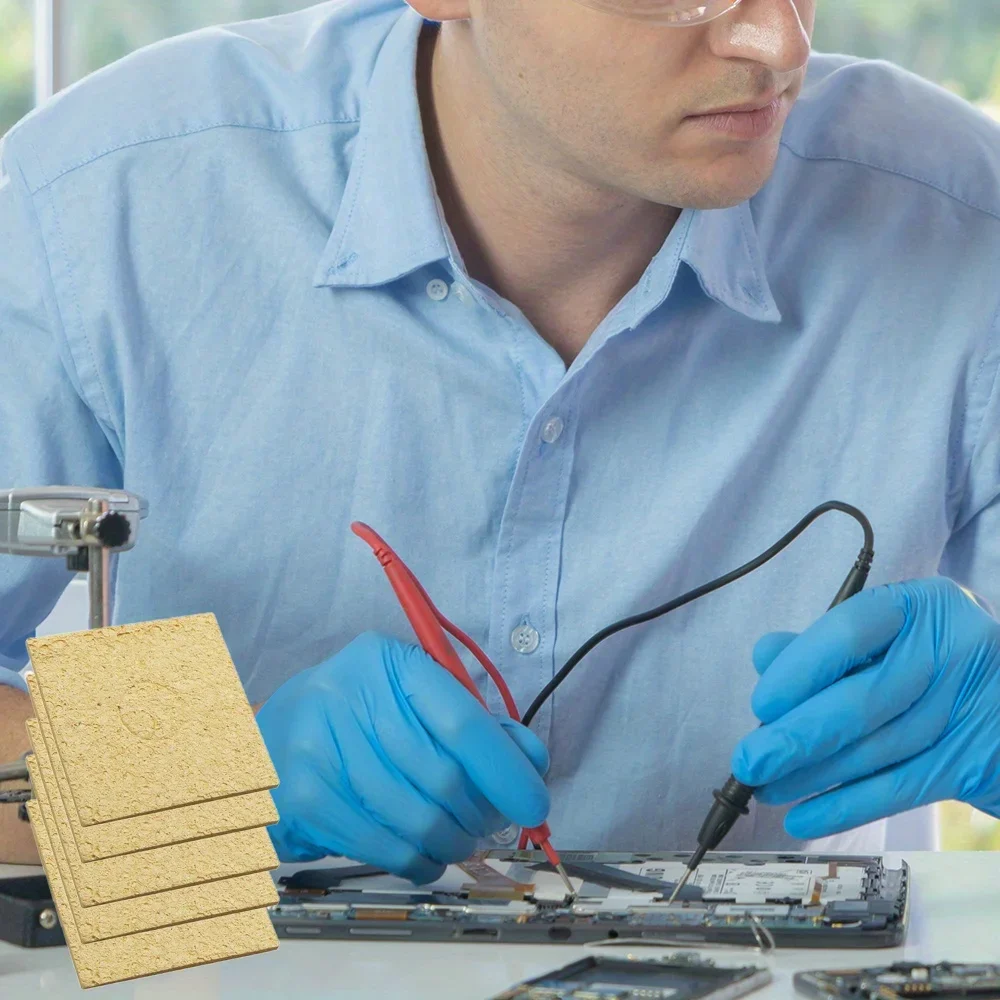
(171,826)
(161,868)
(177,947)
(141,913)
(148,717)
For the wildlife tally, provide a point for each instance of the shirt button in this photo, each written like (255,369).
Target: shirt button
(507,836)
(437,290)
(552,430)
(524,639)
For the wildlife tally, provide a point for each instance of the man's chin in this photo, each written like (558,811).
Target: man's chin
(709,192)
(717,185)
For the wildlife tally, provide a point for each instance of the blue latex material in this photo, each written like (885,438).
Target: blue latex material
(888,702)
(385,758)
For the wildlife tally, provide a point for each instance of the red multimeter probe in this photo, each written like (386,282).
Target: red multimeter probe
(430,627)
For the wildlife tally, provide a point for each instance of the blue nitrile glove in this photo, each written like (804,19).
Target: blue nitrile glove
(890,701)
(385,758)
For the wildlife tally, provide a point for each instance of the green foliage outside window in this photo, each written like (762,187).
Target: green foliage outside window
(954,42)
(16,76)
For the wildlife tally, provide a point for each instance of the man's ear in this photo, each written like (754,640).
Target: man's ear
(442,10)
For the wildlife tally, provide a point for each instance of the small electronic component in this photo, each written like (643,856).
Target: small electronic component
(319,880)
(488,883)
(678,977)
(904,979)
(618,878)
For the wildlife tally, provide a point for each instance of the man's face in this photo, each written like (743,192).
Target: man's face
(610,99)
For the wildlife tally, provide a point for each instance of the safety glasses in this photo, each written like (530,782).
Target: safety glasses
(674,13)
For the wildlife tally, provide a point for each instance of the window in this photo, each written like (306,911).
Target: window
(96,32)
(955,43)
(16,61)
(48,44)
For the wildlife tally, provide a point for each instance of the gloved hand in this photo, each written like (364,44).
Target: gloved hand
(385,758)
(891,699)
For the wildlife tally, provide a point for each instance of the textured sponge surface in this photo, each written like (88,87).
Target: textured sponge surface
(157,829)
(160,706)
(150,782)
(148,952)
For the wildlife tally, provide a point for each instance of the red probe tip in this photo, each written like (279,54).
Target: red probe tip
(550,853)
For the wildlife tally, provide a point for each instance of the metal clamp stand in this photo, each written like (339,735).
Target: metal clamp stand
(86,527)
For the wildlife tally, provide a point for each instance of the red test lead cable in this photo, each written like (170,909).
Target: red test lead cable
(430,625)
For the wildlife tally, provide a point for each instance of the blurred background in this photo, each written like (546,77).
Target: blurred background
(46,45)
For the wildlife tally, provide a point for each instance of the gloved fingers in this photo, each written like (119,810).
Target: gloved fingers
(915,782)
(442,780)
(389,797)
(392,725)
(416,755)
(371,843)
(898,740)
(531,746)
(460,725)
(289,847)
(831,720)
(321,816)
(855,632)
(768,646)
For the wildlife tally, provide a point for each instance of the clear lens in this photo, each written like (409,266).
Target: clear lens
(679,13)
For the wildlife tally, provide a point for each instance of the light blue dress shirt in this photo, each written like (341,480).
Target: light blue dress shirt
(226,284)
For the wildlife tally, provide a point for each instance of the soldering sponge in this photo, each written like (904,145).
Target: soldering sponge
(156,829)
(148,952)
(141,733)
(110,880)
(149,716)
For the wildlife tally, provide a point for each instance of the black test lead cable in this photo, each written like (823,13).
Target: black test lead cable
(855,581)
(731,801)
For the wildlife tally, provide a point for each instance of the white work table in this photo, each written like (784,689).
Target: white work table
(954,915)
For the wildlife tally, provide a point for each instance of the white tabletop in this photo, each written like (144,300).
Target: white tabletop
(954,915)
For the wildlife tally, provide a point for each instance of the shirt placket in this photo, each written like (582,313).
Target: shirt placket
(528,560)
(529,555)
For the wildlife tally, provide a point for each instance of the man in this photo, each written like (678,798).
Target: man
(512,282)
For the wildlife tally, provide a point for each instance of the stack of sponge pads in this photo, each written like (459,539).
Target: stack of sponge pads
(151,798)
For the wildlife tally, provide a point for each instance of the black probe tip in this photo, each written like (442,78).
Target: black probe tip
(697,858)
(731,802)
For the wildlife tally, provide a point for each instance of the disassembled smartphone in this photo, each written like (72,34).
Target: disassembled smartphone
(792,900)
(678,977)
(904,979)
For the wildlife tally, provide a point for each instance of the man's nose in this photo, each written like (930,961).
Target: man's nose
(770,32)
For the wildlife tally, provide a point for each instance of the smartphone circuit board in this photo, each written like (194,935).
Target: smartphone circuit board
(678,977)
(904,979)
(792,900)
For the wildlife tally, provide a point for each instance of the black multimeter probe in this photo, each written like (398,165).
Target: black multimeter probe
(732,800)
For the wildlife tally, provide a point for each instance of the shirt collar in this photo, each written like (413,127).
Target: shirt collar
(389,222)
(723,249)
